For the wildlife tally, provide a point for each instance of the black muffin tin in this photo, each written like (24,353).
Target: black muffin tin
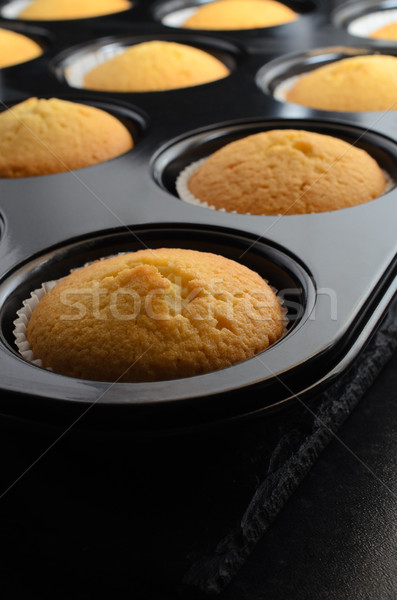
(336,270)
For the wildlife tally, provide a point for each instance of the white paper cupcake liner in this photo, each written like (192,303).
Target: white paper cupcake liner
(181,185)
(12,10)
(284,312)
(185,194)
(78,67)
(281,90)
(364,26)
(23,317)
(178,17)
(390,183)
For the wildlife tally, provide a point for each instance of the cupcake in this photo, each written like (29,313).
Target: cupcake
(16,48)
(48,10)
(153,315)
(361,83)
(240,14)
(387,32)
(284,172)
(39,137)
(155,66)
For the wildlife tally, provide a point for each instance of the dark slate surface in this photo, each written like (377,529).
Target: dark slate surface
(296,452)
(336,538)
(163,519)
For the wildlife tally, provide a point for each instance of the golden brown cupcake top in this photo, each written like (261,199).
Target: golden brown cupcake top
(56,10)
(155,66)
(360,83)
(40,137)
(387,32)
(240,14)
(16,48)
(154,315)
(287,172)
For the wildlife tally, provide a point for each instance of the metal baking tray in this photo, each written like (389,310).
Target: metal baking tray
(336,271)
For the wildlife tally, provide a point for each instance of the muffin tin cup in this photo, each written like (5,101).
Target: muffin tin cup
(361,19)
(12,9)
(72,66)
(279,76)
(172,14)
(174,164)
(337,271)
(294,282)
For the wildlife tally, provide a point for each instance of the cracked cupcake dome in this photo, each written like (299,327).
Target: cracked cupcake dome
(286,172)
(154,315)
(155,66)
(240,14)
(360,83)
(16,48)
(49,10)
(40,137)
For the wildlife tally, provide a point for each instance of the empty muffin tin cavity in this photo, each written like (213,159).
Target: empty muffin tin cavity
(72,66)
(277,77)
(179,153)
(361,19)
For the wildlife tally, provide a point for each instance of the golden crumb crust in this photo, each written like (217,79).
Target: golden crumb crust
(387,32)
(361,83)
(16,48)
(50,10)
(288,172)
(40,137)
(155,66)
(240,14)
(153,315)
